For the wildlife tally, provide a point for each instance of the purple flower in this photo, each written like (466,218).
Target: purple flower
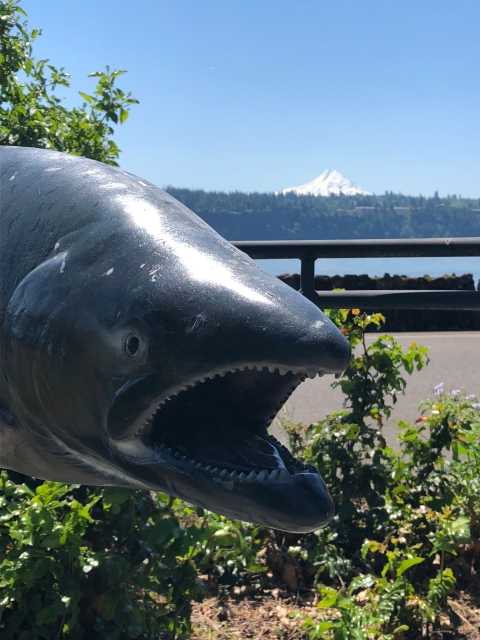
(476,405)
(470,397)
(438,389)
(454,392)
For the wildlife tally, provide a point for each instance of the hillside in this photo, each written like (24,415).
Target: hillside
(289,216)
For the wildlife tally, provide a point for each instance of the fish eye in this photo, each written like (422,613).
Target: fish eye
(131,345)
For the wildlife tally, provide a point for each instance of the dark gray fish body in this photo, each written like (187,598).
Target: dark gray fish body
(140,349)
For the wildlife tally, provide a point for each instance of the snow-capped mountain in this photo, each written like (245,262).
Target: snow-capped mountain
(330,181)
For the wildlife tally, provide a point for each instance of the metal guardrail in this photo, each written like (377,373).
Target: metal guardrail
(307,251)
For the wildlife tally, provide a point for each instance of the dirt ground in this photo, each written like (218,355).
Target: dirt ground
(266,618)
(269,617)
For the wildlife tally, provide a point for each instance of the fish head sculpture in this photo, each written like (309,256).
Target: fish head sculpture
(141,349)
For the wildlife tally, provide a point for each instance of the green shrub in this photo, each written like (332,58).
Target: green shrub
(406,529)
(78,562)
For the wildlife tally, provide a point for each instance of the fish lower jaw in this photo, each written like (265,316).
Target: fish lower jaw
(278,474)
(137,452)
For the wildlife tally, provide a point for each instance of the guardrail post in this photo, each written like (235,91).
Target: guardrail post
(307,277)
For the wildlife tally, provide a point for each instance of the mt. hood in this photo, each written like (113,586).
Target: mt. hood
(330,181)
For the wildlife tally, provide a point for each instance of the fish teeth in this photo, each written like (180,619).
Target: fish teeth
(284,475)
(233,475)
(242,476)
(252,475)
(271,369)
(262,475)
(274,474)
(223,473)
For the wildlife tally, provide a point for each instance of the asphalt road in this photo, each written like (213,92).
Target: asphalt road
(454,360)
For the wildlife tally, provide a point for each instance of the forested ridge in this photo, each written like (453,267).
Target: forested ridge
(269,216)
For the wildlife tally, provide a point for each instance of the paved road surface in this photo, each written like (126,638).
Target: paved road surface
(454,360)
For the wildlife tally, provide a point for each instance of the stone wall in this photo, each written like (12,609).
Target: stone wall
(402,320)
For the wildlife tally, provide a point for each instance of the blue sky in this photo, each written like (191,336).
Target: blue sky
(258,95)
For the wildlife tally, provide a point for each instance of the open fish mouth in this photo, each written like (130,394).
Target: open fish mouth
(207,442)
(219,424)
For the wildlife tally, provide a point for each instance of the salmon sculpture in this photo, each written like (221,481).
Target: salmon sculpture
(140,349)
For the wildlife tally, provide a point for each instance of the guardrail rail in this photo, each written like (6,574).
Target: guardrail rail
(307,251)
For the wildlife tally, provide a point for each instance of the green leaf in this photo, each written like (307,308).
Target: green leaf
(329,600)
(86,97)
(320,628)
(49,614)
(402,627)
(406,564)
(460,529)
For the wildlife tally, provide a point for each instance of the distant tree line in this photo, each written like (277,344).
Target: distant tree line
(268,216)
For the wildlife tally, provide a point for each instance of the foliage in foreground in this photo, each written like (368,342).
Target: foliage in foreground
(87,562)
(32,115)
(407,529)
